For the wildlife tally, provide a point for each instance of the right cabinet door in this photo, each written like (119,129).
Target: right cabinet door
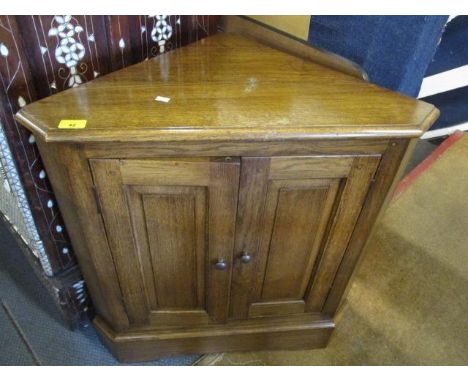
(295,218)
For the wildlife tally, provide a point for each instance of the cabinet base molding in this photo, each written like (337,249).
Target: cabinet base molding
(296,333)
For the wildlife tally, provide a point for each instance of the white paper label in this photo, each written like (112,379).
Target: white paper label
(162,99)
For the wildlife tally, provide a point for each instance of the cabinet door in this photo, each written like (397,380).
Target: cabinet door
(168,223)
(295,218)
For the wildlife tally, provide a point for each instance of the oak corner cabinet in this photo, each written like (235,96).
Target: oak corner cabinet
(229,215)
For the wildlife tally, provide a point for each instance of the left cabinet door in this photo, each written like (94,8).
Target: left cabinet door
(170,227)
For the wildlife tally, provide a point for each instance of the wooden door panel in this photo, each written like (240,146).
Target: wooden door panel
(299,211)
(174,220)
(177,227)
(170,226)
(177,249)
(306,208)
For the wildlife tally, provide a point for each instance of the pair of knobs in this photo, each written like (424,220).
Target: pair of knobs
(245,258)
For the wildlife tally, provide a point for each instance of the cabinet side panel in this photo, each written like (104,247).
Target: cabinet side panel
(389,172)
(116,215)
(352,199)
(71,179)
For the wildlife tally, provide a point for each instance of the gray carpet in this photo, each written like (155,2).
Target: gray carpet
(31,327)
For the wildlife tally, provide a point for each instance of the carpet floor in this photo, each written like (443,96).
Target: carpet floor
(408,303)
(31,328)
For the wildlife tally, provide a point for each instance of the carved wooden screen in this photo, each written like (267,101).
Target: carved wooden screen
(43,55)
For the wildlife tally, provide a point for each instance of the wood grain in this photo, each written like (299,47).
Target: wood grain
(297,212)
(280,40)
(249,225)
(120,237)
(248,148)
(170,227)
(295,217)
(388,173)
(73,186)
(289,333)
(276,308)
(181,224)
(350,205)
(310,167)
(170,221)
(230,97)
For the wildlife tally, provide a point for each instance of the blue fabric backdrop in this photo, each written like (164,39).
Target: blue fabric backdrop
(451,54)
(452,51)
(395,51)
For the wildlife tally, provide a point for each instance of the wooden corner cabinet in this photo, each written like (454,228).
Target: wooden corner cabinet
(229,215)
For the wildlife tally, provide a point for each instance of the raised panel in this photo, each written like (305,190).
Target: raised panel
(300,214)
(175,225)
(171,225)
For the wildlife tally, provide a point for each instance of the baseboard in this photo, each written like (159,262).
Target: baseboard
(291,333)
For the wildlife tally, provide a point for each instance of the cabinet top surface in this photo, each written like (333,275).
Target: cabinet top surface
(226,87)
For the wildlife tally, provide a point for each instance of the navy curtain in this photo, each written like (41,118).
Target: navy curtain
(395,51)
(451,54)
